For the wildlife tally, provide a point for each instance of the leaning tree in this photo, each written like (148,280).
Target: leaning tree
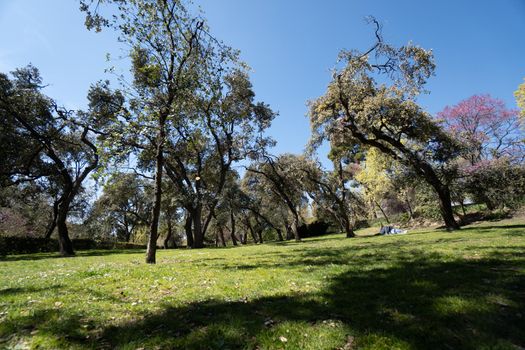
(57,144)
(371,101)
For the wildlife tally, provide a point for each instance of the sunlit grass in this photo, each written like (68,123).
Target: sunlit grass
(427,289)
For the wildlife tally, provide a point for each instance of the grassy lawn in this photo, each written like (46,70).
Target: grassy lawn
(424,290)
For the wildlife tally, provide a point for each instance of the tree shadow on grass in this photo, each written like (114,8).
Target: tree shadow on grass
(8,292)
(519,229)
(423,303)
(78,253)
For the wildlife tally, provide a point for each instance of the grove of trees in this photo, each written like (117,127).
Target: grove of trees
(178,152)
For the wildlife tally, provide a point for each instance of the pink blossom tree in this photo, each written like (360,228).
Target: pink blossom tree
(487,128)
(492,169)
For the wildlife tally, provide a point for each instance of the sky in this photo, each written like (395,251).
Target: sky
(291,45)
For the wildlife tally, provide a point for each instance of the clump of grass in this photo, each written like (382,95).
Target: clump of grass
(426,289)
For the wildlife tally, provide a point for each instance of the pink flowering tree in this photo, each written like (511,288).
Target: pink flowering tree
(494,150)
(487,128)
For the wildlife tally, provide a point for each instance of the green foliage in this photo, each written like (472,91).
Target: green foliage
(428,290)
(498,183)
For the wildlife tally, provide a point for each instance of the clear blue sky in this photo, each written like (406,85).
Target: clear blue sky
(291,45)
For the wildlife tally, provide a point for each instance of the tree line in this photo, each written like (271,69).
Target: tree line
(183,156)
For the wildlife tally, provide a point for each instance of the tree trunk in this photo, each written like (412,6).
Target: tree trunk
(187,229)
(382,212)
(198,237)
(221,236)
(348,228)
(155,214)
(170,233)
(289,233)
(53,224)
(279,234)
(250,227)
(234,239)
(259,234)
(65,244)
(445,206)
(409,207)
(463,208)
(232,221)
(295,227)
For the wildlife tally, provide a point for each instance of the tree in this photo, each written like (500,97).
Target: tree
(498,183)
(178,95)
(255,201)
(363,109)
(486,127)
(281,176)
(223,125)
(374,178)
(520,99)
(166,45)
(124,205)
(61,149)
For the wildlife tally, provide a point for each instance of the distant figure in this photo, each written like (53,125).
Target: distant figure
(391,230)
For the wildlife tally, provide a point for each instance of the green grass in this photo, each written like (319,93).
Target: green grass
(424,290)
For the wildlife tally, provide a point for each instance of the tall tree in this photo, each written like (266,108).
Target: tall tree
(223,125)
(371,101)
(166,46)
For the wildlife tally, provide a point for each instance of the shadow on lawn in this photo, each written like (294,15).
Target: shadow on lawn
(426,304)
(422,302)
(8,292)
(79,253)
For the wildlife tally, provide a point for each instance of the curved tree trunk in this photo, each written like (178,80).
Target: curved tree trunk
(53,224)
(445,206)
(65,244)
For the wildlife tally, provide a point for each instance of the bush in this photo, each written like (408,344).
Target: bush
(29,245)
(496,183)
(314,229)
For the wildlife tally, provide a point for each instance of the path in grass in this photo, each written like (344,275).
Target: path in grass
(425,290)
